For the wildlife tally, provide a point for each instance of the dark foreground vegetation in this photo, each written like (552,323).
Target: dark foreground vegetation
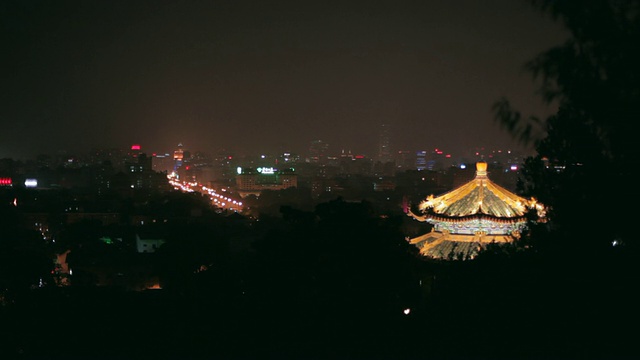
(329,284)
(523,310)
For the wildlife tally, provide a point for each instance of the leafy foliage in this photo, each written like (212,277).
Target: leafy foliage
(588,154)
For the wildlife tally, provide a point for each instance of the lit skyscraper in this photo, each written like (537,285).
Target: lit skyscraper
(178,157)
(384,151)
(421,160)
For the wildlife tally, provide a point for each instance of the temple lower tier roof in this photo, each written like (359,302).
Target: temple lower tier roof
(446,246)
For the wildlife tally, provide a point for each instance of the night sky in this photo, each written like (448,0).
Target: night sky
(264,76)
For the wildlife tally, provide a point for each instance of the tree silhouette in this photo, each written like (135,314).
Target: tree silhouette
(340,274)
(585,171)
(588,156)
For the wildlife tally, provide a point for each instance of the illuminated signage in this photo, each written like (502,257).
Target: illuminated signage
(31,183)
(135,147)
(266,170)
(5,182)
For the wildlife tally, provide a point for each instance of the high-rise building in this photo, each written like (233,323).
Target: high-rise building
(438,159)
(318,151)
(178,157)
(254,181)
(135,151)
(162,163)
(405,160)
(141,163)
(421,160)
(117,157)
(384,150)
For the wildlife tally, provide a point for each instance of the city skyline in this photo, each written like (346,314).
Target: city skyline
(467,156)
(261,76)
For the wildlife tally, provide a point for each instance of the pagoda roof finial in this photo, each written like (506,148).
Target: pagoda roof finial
(481,169)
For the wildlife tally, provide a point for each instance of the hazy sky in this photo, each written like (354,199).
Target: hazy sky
(264,75)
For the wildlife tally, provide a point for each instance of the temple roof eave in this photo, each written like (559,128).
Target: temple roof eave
(431,218)
(422,218)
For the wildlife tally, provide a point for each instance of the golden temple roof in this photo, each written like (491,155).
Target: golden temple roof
(447,246)
(471,216)
(479,196)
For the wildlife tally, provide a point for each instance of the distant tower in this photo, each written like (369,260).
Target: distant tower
(384,150)
(178,157)
(318,151)
(135,151)
(405,159)
(421,160)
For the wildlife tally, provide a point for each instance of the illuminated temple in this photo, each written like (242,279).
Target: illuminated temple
(468,218)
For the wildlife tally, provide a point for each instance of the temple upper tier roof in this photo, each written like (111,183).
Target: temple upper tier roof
(479,196)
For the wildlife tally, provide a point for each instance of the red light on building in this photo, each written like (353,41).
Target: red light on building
(135,147)
(5,182)
(359,156)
